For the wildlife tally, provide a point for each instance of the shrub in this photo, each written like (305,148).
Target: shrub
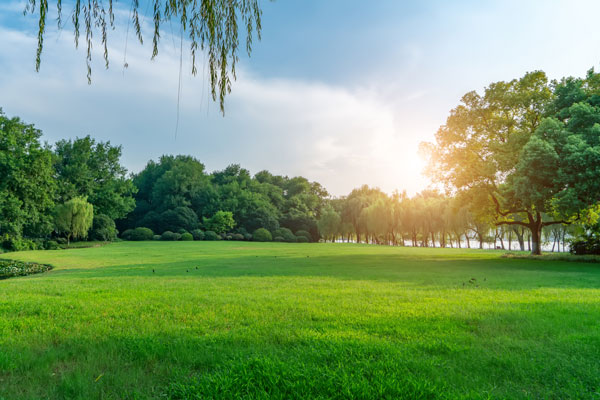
(302,239)
(182,231)
(198,234)
(156,237)
(304,233)
(103,228)
(211,235)
(229,236)
(187,237)
(278,239)
(16,244)
(51,245)
(237,236)
(585,245)
(262,235)
(286,234)
(168,235)
(247,236)
(138,234)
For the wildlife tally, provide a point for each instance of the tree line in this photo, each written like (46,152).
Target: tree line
(518,164)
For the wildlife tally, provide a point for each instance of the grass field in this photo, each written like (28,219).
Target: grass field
(255,320)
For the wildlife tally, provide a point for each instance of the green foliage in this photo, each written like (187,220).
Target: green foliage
(211,235)
(103,228)
(262,235)
(198,234)
(212,27)
(93,170)
(221,222)
(138,234)
(74,218)
(187,237)
(156,237)
(11,268)
(302,239)
(306,234)
(286,234)
(27,183)
(278,239)
(170,236)
(238,236)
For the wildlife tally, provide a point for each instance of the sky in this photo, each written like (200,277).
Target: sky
(339,91)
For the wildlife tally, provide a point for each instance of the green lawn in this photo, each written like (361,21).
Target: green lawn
(255,320)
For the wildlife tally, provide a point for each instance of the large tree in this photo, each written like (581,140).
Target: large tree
(528,147)
(86,168)
(212,26)
(27,182)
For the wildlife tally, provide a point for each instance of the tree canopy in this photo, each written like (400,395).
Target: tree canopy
(527,148)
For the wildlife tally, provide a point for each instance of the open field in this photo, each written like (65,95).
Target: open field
(258,320)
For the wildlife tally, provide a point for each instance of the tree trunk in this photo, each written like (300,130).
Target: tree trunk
(520,240)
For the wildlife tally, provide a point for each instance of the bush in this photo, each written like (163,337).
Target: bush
(585,245)
(198,234)
(103,228)
(247,236)
(302,239)
(237,236)
(51,245)
(170,236)
(156,237)
(304,233)
(262,235)
(286,234)
(182,231)
(211,235)
(16,244)
(278,239)
(187,237)
(138,234)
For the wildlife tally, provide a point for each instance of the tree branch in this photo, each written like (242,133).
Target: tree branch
(547,223)
(512,223)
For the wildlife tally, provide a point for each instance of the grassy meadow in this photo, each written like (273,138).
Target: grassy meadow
(201,320)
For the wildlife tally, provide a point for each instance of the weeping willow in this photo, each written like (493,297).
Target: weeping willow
(212,26)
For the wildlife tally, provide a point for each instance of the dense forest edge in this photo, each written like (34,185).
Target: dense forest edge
(517,168)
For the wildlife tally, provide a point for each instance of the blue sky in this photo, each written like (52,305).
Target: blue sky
(339,91)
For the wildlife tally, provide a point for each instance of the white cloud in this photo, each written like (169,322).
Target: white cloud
(338,136)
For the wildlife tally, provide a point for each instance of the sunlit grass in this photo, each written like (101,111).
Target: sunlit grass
(255,320)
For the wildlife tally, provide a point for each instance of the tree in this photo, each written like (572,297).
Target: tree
(329,223)
(74,218)
(511,147)
(27,184)
(211,26)
(86,168)
(221,222)
(103,228)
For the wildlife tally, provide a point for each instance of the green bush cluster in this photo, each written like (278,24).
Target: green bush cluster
(262,235)
(138,234)
(186,237)
(170,236)
(10,268)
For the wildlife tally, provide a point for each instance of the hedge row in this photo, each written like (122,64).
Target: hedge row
(10,268)
(259,235)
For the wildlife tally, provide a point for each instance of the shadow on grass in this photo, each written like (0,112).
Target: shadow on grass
(425,271)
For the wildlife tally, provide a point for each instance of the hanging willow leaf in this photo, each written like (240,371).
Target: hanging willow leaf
(210,25)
